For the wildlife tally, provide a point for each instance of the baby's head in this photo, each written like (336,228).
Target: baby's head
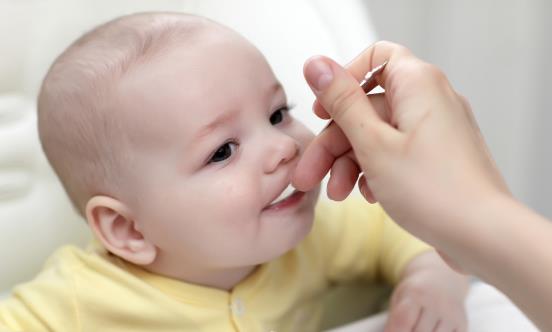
(171,135)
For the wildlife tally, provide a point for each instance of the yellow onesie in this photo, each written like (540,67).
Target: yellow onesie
(94,291)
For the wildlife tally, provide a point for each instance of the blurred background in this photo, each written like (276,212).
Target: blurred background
(494,52)
(497,54)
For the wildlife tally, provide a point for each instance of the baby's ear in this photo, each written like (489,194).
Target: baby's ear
(113,225)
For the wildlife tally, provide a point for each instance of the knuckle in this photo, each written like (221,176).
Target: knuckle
(414,289)
(373,142)
(396,48)
(464,102)
(404,307)
(384,43)
(376,137)
(435,74)
(410,72)
(342,103)
(404,315)
(418,292)
(419,71)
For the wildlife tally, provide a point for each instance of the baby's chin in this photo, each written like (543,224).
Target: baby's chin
(282,240)
(308,213)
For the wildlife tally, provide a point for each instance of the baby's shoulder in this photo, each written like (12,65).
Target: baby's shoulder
(71,267)
(71,257)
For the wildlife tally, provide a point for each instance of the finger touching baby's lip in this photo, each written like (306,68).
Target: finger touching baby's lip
(311,169)
(319,157)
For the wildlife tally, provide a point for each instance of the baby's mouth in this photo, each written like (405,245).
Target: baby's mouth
(286,193)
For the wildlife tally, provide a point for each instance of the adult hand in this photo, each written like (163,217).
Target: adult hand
(424,159)
(418,146)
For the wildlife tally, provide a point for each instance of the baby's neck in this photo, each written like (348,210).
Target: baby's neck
(224,279)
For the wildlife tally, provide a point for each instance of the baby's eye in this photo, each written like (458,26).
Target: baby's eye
(224,152)
(279,115)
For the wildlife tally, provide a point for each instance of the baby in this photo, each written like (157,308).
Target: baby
(173,138)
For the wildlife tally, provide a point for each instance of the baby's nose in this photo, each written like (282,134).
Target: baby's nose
(282,149)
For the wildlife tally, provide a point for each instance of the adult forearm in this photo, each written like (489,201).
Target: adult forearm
(512,249)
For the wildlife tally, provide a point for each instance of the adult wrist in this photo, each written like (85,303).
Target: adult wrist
(479,233)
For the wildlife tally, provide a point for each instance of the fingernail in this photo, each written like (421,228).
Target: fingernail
(319,75)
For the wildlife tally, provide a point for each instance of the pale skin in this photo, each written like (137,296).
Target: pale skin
(424,159)
(181,163)
(196,204)
(430,297)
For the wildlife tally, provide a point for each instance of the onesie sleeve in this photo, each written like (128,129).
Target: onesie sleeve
(359,241)
(43,304)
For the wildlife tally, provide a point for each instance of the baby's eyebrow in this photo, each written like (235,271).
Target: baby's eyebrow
(226,117)
(221,119)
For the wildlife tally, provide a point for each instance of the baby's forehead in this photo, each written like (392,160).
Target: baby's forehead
(190,83)
(192,75)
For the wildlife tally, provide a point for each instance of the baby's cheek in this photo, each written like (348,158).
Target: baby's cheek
(237,193)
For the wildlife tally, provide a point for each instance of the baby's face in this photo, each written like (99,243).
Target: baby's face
(213,146)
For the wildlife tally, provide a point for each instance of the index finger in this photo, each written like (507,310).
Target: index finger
(319,156)
(329,145)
